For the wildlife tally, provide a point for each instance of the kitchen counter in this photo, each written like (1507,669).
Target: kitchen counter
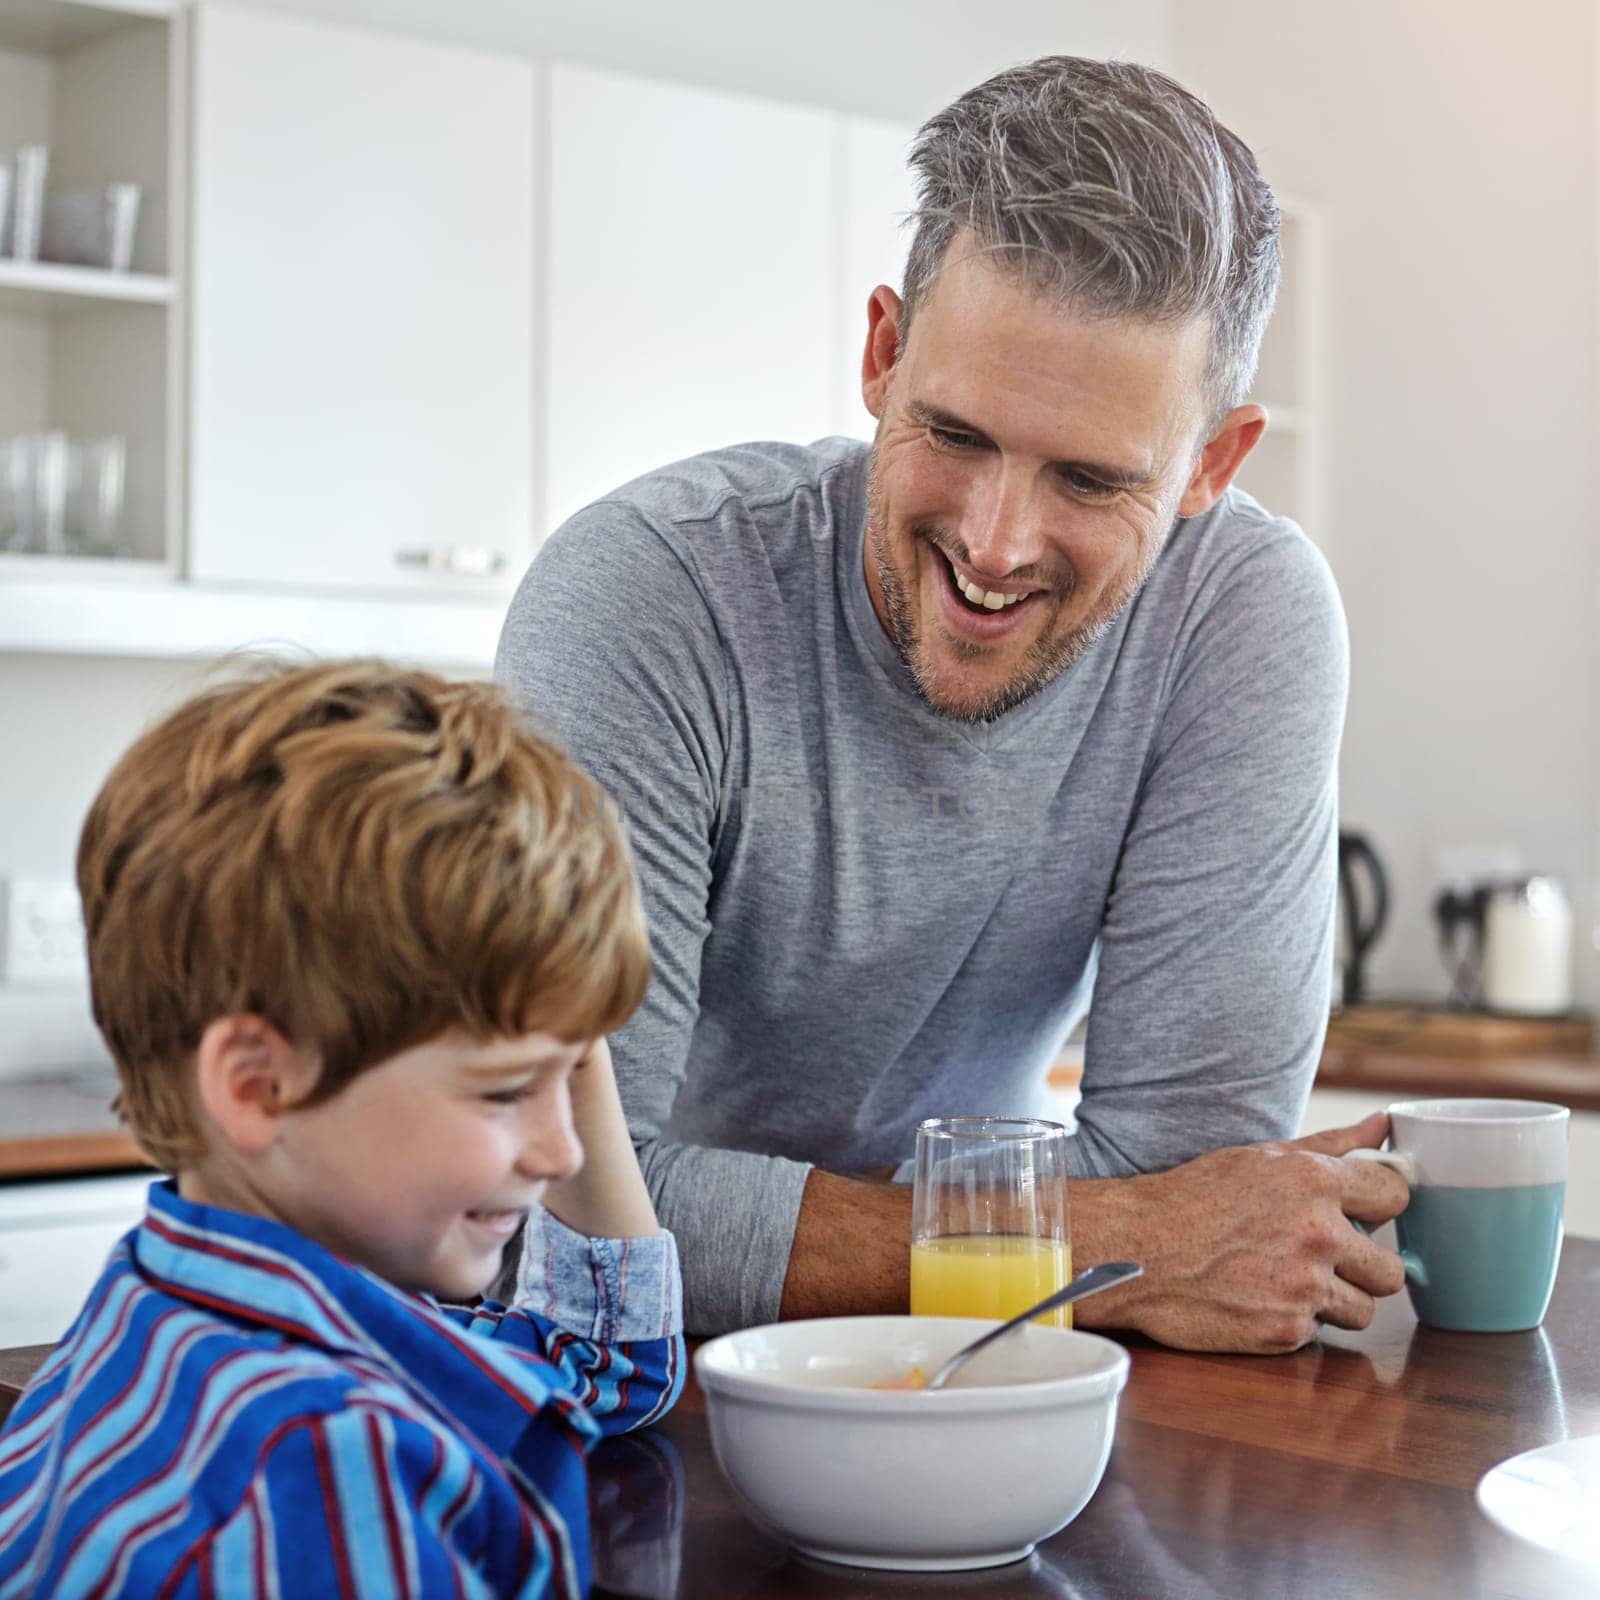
(1390,1074)
(63,1123)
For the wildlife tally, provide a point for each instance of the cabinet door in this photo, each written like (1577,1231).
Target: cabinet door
(879,198)
(362,308)
(54,1240)
(46,1274)
(692,265)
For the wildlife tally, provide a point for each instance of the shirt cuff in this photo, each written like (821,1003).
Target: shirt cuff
(614,1291)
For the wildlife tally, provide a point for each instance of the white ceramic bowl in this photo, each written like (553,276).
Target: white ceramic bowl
(972,1476)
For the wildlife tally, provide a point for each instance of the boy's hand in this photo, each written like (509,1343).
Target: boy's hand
(607,1197)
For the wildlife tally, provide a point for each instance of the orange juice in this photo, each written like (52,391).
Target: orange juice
(988,1275)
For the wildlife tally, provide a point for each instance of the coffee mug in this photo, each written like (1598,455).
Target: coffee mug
(1481,1237)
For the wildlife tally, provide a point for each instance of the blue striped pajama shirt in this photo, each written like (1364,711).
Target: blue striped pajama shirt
(237,1412)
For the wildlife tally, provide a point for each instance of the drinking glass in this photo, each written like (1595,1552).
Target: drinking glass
(989,1230)
(96,491)
(33,505)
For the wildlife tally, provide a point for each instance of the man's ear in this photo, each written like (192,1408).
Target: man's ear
(1221,459)
(247,1075)
(883,347)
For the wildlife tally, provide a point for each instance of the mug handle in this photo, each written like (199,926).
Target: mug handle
(1396,1161)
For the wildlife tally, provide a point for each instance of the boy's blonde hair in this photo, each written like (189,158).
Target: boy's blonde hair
(365,857)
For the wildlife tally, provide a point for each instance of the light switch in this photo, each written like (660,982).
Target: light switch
(44,934)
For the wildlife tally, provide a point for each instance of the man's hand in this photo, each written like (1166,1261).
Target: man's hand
(1248,1248)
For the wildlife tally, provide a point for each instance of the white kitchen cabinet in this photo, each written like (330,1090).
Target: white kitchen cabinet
(691,277)
(54,1240)
(878,199)
(417,314)
(362,289)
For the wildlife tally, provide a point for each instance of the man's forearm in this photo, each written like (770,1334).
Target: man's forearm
(852,1249)
(852,1246)
(1107,1220)
(734,1215)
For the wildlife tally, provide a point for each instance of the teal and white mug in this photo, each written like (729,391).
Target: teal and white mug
(1481,1237)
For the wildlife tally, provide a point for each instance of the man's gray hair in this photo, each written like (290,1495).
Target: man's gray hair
(1108,188)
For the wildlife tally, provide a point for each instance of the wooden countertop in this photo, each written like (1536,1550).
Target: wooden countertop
(1567,1080)
(1394,1049)
(61,1123)
(17,1368)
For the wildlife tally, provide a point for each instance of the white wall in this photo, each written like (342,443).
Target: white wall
(63,722)
(1453,144)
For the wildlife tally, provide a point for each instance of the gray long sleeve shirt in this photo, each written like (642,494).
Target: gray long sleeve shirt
(863,913)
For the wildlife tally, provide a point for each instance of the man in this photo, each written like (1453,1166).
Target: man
(923,747)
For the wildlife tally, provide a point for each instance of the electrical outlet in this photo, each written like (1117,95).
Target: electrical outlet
(44,933)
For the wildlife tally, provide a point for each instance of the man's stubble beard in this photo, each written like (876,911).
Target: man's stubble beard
(1046,658)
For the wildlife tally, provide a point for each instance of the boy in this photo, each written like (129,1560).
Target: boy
(355,938)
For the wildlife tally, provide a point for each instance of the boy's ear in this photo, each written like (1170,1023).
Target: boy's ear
(247,1075)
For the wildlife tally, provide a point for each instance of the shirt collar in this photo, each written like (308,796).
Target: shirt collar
(264,1274)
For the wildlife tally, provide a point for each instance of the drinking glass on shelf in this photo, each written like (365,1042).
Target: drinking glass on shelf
(92,227)
(96,490)
(989,1230)
(28,174)
(13,502)
(34,469)
(52,469)
(16,497)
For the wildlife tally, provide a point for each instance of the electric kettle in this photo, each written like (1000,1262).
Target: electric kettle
(1363,910)
(1527,948)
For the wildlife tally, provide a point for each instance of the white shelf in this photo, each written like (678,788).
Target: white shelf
(171,620)
(58,27)
(19,567)
(39,288)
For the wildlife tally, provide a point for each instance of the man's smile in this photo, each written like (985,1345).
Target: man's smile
(983,611)
(989,594)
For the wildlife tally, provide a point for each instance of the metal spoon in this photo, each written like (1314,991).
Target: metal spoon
(1091,1281)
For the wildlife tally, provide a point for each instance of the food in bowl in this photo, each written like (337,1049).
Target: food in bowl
(883,1477)
(916,1378)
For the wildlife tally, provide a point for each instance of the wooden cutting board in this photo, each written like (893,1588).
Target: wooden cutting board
(1438,1030)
